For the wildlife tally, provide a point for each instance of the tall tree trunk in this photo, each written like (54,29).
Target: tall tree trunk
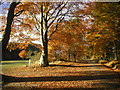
(74,55)
(44,56)
(7,32)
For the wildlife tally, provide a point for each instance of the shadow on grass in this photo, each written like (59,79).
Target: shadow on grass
(109,85)
(8,79)
(14,63)
(35,88)
(87,65)
(62,65)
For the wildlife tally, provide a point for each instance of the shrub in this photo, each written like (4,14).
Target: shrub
(35,57)
(31,51)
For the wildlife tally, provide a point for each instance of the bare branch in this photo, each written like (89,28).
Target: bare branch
(37,28)
(42,23)
(18,13)
(57,15)
(58,21)
(37,21)
(54,11)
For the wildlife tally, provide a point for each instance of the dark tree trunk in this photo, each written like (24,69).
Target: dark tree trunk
(7,32)
(74,55)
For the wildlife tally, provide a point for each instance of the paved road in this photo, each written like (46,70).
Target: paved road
(66,75)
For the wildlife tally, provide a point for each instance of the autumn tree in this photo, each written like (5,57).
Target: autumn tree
(15,29)
(69,40)
(104,34)
(49,14)
(7,31)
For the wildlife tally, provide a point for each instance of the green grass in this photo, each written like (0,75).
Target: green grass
(13,63)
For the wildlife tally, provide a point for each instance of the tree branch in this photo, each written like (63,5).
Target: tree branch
(18,13)
(58,21)
(57,15)
(54,11)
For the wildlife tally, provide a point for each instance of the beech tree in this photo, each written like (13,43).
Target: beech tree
(47,15)
(47,20)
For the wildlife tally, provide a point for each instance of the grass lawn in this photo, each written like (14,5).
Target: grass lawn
(13,63)
(6,65)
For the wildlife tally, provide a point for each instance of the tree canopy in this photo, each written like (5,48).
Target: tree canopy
(65,30)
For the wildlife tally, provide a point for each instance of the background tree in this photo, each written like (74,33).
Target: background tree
(7,31)
(104,34)
(69,40)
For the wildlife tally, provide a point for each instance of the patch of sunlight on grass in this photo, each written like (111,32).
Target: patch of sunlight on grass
(55,62)
(13,63)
